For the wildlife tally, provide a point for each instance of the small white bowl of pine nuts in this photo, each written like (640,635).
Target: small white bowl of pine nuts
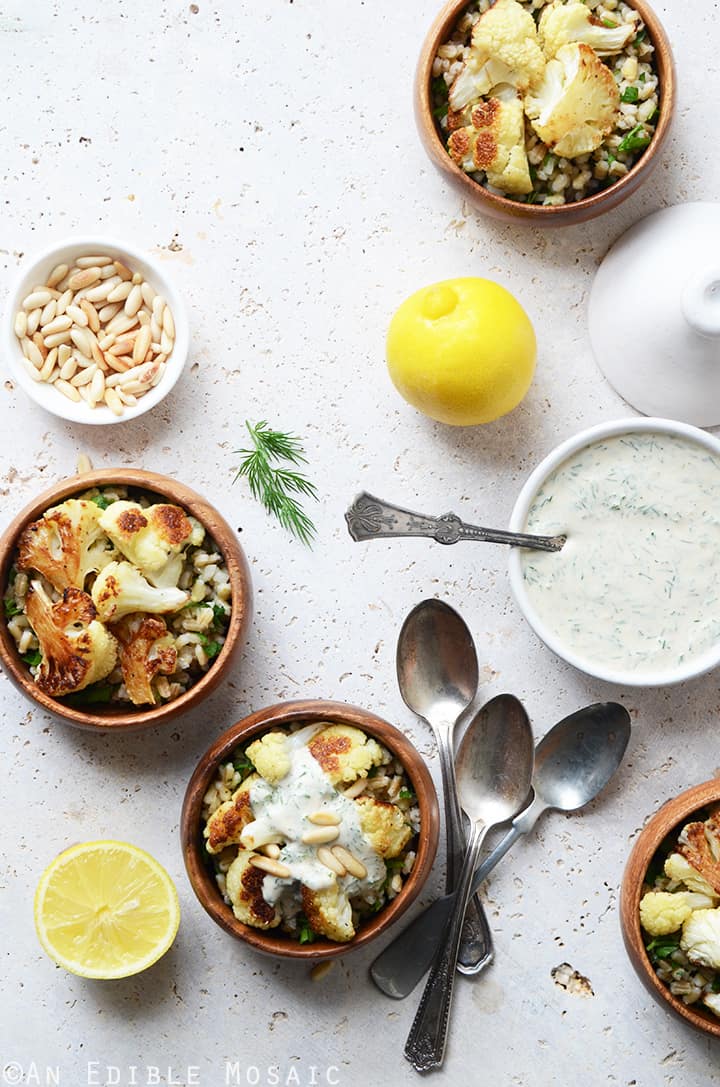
(95,331)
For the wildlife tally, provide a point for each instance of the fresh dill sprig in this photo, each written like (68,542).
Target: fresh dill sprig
(276,486)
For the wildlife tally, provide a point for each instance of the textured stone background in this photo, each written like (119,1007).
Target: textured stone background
(266,153)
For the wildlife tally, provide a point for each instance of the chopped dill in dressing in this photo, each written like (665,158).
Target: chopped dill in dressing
(635,588)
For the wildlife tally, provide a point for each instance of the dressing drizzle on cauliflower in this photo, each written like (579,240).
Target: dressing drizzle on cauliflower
(680,913)
(115,598)
(565,92)
(310,830)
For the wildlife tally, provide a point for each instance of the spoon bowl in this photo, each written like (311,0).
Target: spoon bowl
(437,665)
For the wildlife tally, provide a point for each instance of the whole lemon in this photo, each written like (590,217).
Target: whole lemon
(462,351)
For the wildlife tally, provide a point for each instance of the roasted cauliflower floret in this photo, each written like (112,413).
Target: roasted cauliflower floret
(662,912)
(576,105)
(345,753)
(66,544)
(227,822)
(244,884)
(147,649)
(383,825)
(700,938)
(678,868)
(76,649)
(329,912)
(564,23)
(120,589)
(494,141)
(699,844)
(152,538)
(270,756)
(504,49)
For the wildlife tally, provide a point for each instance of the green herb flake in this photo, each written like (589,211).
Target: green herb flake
(630,94)
(95,694)
(639,37)
(32,659)
(212,648)
(406,794)
(306,933)
(10,607)
(662,947)
(243,764)
(221,618)
(636,139)
(101,501)
(610,23)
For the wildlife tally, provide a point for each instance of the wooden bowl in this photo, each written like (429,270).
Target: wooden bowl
(670,817)
(288,713)
(111,719)
(500,207)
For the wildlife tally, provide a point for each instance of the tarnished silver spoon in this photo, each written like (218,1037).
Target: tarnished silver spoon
(370,518)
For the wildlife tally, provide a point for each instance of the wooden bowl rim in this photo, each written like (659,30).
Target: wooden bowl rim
(284,713)
(503,207)
(668,817)
(233,554)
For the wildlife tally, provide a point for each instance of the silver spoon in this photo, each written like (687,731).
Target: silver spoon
(494,768)
(437,672)
(370,518)
(573,763)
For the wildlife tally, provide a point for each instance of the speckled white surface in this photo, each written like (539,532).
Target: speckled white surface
(266,152)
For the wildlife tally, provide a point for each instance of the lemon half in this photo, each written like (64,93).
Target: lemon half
(106,910)
(462,351)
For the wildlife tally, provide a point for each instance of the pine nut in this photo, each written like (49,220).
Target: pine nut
(80,337)
(157,308)
(121,347)
(354,866)
(128,399)
(122,270)
(40,344)
(84,377)
(20,326)
(142,344)
(57,338)
(48,313)
(116,363)
(32,371)
(325,819)
(33,321)
(120,292)
(59,272)
(58,324)
(32,353)
(328,858)
(84,464)
(69,370)
(121,323)
(85,278)
(67,389)
(106,342)
(49,365)
(64,301)
(166,343)
(272,849)
(78,315)
(91,313)
(134,300)
(114,402)
(137,278)
(272,867)
(97,386)
(64,351)
(92,262)
(100,293)
(320,836)
(320,970)
(37,298)
(148,294)
(168,323)
(108,312)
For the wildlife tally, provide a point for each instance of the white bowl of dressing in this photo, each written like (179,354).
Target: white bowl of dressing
(633,598)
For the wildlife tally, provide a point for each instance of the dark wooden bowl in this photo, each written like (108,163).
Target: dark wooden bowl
(670,817)
(110,719)
(287,713)
(500,207)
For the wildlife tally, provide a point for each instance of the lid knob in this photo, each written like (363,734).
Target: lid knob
(701,301)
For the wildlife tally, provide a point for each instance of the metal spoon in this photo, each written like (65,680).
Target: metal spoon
(494,768)
(573,763)
(437,672)
(370,518)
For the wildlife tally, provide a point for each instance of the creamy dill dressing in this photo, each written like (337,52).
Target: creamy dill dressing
(636,585)
(281,812)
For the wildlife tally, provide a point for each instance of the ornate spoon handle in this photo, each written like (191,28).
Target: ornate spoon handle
(370,518)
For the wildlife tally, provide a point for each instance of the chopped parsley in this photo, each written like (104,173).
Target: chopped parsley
(211,647)
(406,794)
(10,607)
(630,94)
(662,947)
(609,23)
(306,933)
(101,501)
(33,658)
(636,139)
(639,37)
(243,764)
(93,695)
(439,90)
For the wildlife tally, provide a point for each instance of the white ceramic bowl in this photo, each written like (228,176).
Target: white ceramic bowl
(698,665)
(36,270)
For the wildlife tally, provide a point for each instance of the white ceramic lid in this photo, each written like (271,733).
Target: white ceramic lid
(655,314)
